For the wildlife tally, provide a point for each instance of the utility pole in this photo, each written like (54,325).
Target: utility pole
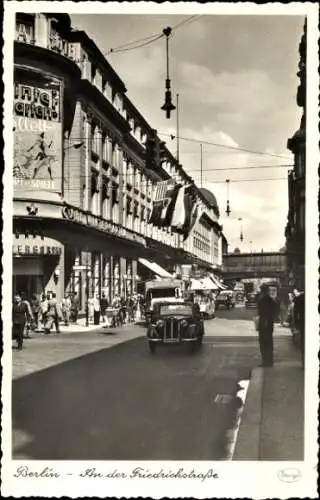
(178,144)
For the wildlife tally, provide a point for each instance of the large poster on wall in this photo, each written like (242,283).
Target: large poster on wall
(37,136)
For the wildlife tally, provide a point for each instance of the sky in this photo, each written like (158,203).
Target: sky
(237,83)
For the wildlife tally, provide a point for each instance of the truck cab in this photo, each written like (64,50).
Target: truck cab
(161,291)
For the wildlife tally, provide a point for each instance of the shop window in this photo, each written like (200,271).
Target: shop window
(93,73)
(114,195)
(95,188)
(129,206)
(136,210)
(143,213)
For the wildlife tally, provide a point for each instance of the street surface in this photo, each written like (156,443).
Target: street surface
(92,399)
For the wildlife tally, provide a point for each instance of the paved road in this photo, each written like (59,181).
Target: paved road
(118,402)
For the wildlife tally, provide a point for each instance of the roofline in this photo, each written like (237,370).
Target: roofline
(90,45)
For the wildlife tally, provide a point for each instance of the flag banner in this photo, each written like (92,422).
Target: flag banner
(194,219)
(179,213)
(164,203)
(183,217)
(190,200)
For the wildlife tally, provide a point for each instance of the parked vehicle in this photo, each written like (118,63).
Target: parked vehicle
(251,300)
(175,323)
(226,298)
(207,306)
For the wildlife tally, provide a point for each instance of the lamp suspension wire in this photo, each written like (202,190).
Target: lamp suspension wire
(178,144)
(201,165)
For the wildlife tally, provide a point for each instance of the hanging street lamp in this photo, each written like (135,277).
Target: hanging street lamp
(228,210)
(168,106)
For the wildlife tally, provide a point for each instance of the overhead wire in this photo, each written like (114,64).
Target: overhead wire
(225,146)
(136,44)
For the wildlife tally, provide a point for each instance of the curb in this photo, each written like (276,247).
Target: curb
(248,441)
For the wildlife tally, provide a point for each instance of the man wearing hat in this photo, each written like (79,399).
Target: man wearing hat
(267,312)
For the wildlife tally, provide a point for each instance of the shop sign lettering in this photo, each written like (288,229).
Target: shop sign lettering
(35,250)
(76,215)
(61,46)
(37,103)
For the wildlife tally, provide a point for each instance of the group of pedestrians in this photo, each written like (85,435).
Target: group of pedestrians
(121,310)
(41,314)
(268,311)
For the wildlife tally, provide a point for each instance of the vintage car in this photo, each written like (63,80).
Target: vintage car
(176,323)
(226,298)
(251,300)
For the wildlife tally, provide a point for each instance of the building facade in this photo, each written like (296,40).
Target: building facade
(295,228)
(82,191)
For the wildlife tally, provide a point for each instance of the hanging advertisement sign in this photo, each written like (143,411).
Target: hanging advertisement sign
(37,137)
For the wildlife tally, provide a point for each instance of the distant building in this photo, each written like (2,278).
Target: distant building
(295,228)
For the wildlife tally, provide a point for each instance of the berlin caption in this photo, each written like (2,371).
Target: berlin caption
(24,471)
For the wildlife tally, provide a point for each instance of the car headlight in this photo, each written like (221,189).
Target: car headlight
(192,330)
(152,332)
(160,323)
(184,323)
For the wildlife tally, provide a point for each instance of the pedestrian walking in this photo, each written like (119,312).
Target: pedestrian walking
(122,310)
(96,310)
(43,309)
(65,309)
(36,311)
(104,304)
(75,306)
(91,309)
(130,308)
(30,320)
(267,312)
(52,316)
(20,315)
(299,319)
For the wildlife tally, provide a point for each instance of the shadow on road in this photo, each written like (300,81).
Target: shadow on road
(123,403)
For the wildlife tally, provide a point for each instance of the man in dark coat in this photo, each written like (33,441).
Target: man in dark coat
(267,312)
(20,314)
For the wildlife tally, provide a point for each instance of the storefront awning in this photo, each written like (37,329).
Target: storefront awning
(217,283)
(155,268)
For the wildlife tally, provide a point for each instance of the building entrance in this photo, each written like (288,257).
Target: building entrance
(29,285)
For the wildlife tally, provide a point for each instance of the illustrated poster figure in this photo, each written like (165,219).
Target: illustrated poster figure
(42,156)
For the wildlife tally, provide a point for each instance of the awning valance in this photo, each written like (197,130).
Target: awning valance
(203,284)
(155,268)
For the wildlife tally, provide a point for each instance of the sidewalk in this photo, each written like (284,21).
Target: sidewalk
(272,424)
(42,351)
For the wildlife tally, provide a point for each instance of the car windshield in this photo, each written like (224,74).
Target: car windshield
(176,309)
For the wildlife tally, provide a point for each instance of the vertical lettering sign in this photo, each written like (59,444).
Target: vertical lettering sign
(37,137)
(24,32)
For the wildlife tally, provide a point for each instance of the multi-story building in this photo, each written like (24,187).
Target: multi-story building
(82,190)
(295,228)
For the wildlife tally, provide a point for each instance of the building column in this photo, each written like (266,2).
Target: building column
(100,153)
(123,183)
(41,30)
(87,179)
